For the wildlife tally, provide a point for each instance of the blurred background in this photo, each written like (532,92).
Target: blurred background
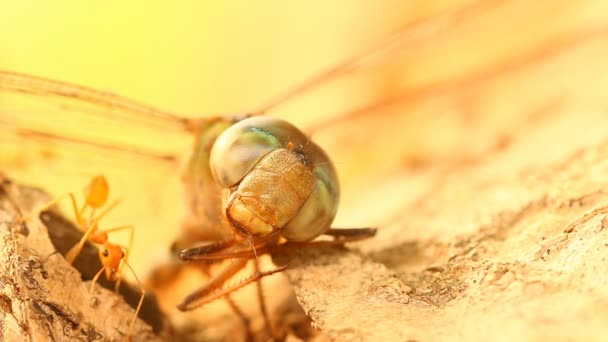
(439,82)
(192,58)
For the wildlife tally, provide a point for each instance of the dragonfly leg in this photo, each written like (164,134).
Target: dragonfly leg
(213,252)
(235,308)
(198,253)
(262,303)
(199,296)
(165,272)
(340,237)
(213,289)
(352,234)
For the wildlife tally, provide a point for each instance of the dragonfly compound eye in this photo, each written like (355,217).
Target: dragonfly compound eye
(278,179)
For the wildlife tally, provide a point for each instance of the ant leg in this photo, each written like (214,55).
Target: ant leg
(110,207)
(92,227)
(46,206)
(75,251)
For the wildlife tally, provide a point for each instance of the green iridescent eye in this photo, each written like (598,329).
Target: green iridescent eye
(318,212)
(279,179)
(239,148)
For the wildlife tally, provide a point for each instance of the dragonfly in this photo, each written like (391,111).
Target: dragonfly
(97,114)
(366,133)
(80,116)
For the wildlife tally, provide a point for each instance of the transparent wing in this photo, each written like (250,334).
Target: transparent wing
(146,183)
(57,135)
(46,111)
(69,110)
(33,104)
(367,93)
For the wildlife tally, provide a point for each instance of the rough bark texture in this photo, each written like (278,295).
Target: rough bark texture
(511,246)
(42,298)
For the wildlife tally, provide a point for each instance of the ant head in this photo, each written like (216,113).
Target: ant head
(111,255)
(96,193)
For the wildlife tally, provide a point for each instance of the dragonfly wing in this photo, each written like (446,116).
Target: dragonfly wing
(57,135)
(58,109)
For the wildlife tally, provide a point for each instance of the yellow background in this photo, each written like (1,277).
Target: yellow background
(204,57)
(195,58)
(192,57)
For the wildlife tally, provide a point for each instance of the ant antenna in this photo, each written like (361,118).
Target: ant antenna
(141,299)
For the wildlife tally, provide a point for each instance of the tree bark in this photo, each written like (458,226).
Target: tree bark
(510,246)
(42,298)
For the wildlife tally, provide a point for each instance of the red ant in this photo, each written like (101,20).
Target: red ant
(113,257)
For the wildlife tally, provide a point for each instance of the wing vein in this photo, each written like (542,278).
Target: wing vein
(39,86)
